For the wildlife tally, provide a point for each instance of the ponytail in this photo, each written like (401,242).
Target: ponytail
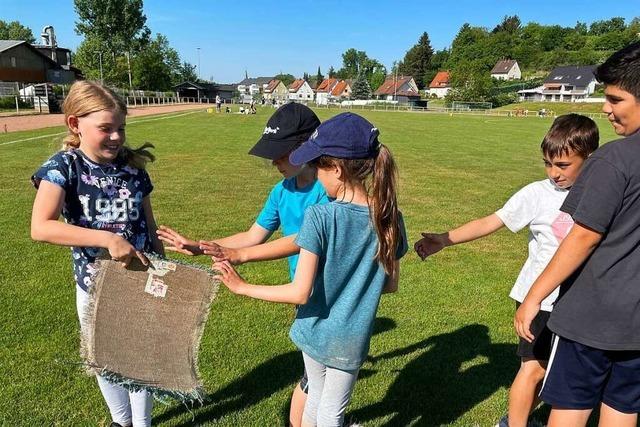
(384,208)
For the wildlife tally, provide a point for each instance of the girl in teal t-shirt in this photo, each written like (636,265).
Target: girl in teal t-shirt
(349,256)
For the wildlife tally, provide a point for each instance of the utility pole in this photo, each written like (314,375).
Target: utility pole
(129,66)
(100,58)
(198,49)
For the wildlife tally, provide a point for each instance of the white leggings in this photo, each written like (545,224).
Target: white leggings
(329,393)
(126,408)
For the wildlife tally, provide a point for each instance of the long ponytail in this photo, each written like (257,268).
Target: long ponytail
(378,176)
(384,208)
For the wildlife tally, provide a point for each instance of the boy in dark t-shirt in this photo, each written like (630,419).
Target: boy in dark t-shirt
(595,357)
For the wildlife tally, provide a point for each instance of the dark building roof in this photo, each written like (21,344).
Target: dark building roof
(580,75)
(10,44)
(256,80)
(503,66)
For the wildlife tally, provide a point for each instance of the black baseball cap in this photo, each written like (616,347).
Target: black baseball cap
(288,127)
(345,136)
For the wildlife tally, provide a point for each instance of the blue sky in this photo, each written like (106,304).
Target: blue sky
(266,38)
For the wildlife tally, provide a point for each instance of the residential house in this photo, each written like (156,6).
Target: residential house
(506,69)
(564,84)
(341,91)
(300,91)
(323,91)
(276,90)
(253,86)
(24,63)
(441,84)
(402,89)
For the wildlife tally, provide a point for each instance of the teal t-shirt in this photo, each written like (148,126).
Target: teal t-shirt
(334,327)
(285,207)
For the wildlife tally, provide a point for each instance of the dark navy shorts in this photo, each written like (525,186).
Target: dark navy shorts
(540,348)
(580,377)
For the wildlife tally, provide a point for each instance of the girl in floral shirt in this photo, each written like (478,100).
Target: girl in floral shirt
(101,189)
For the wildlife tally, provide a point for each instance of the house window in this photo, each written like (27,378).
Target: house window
(13,61)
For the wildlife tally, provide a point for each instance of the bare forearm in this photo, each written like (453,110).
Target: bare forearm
(277,249)
(60,233)
(239,240)
(474,230)
(288,293)
(573,251)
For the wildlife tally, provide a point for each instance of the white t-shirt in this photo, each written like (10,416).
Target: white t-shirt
(538,206)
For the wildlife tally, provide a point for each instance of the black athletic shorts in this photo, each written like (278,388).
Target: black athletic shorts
(540,348)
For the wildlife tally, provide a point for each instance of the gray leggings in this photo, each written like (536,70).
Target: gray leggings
(126,408)
(329,393)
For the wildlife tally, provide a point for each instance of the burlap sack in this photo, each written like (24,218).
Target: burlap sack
(145,324)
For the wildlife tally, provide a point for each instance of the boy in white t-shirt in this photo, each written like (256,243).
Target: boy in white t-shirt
(571,139)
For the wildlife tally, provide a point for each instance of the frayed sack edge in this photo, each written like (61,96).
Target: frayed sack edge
(160,394)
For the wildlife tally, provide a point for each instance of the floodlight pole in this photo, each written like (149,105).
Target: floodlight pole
(129,67)
(198,49)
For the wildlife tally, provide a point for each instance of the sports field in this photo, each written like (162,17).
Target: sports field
(445,351)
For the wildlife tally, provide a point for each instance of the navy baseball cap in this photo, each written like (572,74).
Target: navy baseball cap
(345,136)
(287,128)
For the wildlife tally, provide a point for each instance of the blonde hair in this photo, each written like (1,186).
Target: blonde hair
(378,175)
(86,97)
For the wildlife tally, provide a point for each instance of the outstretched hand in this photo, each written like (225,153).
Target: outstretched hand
(523,318)
(430,244)
(221,253)
(229,276)
(177,242)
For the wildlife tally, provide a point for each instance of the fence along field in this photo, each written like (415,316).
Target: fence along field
(445,351)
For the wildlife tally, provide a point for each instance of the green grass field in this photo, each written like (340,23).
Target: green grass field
(445,351)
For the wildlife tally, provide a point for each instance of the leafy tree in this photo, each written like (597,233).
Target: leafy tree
(120,24)
(92,54)
(361,88)
(319,76)
(14,30)
(417,59)
(438,61)
(286,79)
(331,72)
(599,28)
(156,66)
(509,24)
(305,77)
(187,73)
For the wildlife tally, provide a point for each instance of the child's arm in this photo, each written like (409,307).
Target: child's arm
(296,292)
(276,249)
(391,284)
(152,227)
(573,251)
(45,227)
(179,243)
(432,243)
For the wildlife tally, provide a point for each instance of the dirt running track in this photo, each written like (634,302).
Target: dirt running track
(38,121)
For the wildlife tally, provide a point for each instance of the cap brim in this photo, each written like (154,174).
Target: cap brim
(273,150)
(304,154)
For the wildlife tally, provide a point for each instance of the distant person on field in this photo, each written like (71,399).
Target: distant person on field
(596,321)
(568,143)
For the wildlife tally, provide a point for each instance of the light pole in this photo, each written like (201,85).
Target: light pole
(100,59)
(198,62)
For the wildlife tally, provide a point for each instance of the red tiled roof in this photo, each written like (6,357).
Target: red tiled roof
(297,84)
(273,84)
(339,88)
(440,80)
(326,85)
(391,86)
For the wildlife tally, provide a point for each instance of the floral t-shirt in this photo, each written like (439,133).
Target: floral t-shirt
(101,197)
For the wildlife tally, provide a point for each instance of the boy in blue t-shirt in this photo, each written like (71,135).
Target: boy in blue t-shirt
(288,128)
(595,358)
